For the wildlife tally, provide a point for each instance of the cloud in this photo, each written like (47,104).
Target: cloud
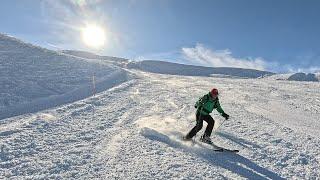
(220,58)
(171,56)
(312,69)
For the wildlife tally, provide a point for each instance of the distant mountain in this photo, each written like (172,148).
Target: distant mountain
(164,67)
(303,77)
(190,70)
(33,78)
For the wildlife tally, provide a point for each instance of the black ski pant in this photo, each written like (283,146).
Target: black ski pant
(200,118)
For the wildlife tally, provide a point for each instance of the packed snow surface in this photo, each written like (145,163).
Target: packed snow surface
(133,131)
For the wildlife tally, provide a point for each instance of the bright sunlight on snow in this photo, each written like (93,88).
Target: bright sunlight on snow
(93,36)
(108,89)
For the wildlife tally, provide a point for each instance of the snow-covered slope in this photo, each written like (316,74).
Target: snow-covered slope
(190,70)
(33,78)
(132,131)
(163,67)
(88,55)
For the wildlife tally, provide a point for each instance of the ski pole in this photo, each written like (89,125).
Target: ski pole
(220,124)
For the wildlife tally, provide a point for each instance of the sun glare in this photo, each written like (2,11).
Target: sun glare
(93,36)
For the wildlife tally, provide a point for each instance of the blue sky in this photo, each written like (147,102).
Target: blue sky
(275,35)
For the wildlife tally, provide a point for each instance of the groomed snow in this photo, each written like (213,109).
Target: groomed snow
(132,131)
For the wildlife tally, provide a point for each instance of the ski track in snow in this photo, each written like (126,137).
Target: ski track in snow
(133,130)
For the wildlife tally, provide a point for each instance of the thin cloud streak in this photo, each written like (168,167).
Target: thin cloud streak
(220,58)
(314,69)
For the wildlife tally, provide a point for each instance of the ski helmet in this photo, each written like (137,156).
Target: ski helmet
(214,92)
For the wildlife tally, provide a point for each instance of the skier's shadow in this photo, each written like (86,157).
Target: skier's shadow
(233,162)
(239,141)
(240,165)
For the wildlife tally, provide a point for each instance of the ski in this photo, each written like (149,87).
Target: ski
(226,150)
(214,147)
(221,149)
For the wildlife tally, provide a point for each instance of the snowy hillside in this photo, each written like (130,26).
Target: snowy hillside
(132,131)
(88,55)
(33,78)
(189,70)
(163,67)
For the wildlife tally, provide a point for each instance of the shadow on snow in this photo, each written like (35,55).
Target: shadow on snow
(239,141)
(230,161)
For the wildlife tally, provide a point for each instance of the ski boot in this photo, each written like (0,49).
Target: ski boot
(186,138)
(206,139)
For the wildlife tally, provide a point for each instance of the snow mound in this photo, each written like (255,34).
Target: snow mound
(34,78)
(190,70)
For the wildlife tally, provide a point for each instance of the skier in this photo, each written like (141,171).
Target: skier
(205,106)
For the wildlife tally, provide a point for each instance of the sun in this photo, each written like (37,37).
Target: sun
(93,36)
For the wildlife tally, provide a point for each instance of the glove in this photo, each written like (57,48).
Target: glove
(226,116)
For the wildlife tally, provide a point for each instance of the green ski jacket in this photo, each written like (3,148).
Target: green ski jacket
(206,104)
